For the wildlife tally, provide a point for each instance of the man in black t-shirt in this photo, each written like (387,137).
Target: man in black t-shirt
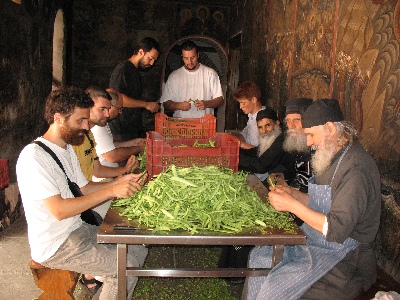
(126,79)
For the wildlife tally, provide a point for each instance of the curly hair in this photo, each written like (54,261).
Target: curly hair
(247,90)
(64,100)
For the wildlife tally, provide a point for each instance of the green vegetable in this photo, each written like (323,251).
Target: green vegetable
(194,199)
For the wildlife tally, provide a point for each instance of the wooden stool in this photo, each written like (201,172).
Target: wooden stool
(55,284)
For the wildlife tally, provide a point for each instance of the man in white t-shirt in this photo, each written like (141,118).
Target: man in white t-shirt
(55,228)
(112,152)
(194,89)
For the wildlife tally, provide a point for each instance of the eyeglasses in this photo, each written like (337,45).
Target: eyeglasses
(119,108)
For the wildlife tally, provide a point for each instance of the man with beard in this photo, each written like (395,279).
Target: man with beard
(341,217)
(58,237)
(194,89)
(99,115)
(126,79)
(295,145)
(269,152)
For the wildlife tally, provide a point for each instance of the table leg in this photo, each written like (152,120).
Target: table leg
(277,255)
(121,271)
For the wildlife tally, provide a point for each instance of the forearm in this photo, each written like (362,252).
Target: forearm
(121,154)
(172,105)
(101,171)
(213,103)
(67,208)
(313,218)
(132,103)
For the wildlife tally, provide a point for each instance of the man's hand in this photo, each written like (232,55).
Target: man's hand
(200,104)
(139,142)
(281,200)
(185,105)
(126,188)
(278,179)
(152,106)
(132,163)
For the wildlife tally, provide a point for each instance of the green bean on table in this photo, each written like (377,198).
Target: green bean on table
(209,198)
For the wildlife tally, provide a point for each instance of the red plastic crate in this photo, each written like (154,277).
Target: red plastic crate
(4,173)
(162,152)
(198,128)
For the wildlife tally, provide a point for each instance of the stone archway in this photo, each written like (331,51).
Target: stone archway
(212,54)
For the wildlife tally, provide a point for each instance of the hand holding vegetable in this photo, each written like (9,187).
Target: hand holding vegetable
(125,186)
(185,105)
(278,179)
(131,164)
(281,200)
(200,104)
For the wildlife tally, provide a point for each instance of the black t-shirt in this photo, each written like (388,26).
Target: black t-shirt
(126,79)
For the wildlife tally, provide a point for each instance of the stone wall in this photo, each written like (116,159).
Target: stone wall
(347,50)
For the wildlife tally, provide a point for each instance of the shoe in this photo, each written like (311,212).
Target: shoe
(93,283)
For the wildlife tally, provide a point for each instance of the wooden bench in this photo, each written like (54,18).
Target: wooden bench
(55,284)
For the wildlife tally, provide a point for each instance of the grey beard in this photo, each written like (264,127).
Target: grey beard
(323,156)
(295,144)
(267,139)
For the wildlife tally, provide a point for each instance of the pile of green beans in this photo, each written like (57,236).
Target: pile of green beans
(210,198)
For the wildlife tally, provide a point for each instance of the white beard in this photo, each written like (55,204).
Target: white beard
(296,143)
(323,156)
(267,139)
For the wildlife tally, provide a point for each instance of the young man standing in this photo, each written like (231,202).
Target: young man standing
(57,235)
(194,89)
(126,79)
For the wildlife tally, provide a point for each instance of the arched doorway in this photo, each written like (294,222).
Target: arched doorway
(212,54)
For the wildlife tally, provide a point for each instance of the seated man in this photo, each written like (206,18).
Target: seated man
(111,152)
(298,154)
(248,95)
(341,216)
(58,237)
(269,153)
(86,152)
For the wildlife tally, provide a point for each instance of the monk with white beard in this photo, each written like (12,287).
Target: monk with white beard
(269,153)
(298,168)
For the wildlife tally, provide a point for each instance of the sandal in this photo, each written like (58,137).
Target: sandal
(95,284)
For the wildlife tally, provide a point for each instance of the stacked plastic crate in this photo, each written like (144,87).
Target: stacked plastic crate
(174,139)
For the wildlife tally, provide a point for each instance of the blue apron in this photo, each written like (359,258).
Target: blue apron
(302,265)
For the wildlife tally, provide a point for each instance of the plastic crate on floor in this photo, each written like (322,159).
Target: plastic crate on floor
(197,128)
(4,173)
(162,152)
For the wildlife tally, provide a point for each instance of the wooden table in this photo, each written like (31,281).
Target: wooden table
(128,235)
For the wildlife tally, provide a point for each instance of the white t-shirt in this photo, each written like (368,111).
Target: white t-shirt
(39,177)
(250,132)
(182,85)
(104,143)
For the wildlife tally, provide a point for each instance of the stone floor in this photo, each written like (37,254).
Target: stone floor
(17,283)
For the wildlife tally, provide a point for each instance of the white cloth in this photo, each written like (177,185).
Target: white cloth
(250,132)
(39,177)
(104,143)
(182,85)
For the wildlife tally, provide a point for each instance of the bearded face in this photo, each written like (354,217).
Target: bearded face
(266,139)
(295,141)
(323,155)
(71,135)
